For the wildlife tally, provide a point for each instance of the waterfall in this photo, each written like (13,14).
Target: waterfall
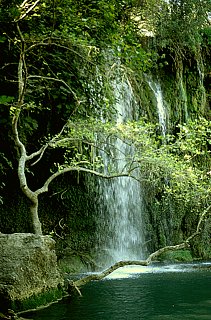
(120,226)
(161,110)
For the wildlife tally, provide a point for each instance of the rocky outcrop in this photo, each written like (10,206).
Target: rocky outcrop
(28,270)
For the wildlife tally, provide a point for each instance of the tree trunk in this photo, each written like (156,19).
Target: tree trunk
(37,227)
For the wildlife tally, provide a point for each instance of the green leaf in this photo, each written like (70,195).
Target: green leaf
(6,99)
(2,39)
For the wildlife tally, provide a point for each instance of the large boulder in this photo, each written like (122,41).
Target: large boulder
(29,275)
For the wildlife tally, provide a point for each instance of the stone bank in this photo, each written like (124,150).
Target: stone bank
(29,275)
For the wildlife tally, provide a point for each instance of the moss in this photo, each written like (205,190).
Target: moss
(36,301)
(177,256)
(148,102)
(71,265)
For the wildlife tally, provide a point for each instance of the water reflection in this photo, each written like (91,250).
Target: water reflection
(137,295)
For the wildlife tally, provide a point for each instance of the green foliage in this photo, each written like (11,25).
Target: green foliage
(179,169)
(194,141)
(66,43)
(177,256)
(175,177)
(5,100)
(178,25)
(207,35)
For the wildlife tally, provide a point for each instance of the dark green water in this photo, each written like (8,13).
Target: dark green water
(178,294)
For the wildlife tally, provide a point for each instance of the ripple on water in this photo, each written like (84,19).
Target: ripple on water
(135,271)
(140,293)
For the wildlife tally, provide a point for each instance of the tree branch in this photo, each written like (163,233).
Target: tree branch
(23,3)
(56,140)
(22,70)
(23,6)
(41,151)
(151,257)
(50,43)
(157,253)
(57,80)
(100,276)
(201,220)
(44,188)
(22,74)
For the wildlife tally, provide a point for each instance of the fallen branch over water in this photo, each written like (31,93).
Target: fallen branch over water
(75,285)
(117,265)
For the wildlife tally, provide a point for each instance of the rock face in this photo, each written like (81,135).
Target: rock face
(28,269)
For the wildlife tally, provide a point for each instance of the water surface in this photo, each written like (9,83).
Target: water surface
(136,293)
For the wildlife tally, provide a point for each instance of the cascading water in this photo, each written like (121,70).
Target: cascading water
(161,110)
(120,232)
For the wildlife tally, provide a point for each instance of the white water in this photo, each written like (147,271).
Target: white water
(120,218)
(161,110)
(135,271)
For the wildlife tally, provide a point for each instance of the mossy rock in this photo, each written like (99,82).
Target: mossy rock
(71,265)
(37,301)
(177,256)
